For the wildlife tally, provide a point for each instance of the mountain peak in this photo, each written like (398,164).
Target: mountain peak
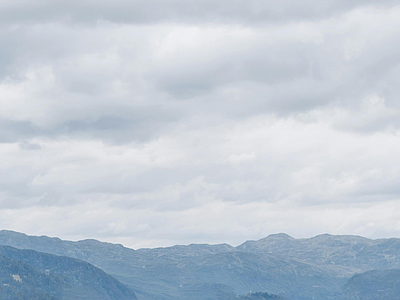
(262,243)
(279,236)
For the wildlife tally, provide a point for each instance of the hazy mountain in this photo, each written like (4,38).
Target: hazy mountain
(314,268)
(182,272)
(347,254)
(375,285)
(28,274)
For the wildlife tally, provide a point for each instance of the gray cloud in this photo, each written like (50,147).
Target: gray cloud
(165,122)
(140,11)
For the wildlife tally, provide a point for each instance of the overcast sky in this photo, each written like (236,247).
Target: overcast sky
(153,123)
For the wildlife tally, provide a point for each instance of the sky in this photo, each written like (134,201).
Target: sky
(154,123)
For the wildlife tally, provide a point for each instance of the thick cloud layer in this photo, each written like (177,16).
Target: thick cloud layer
(155,123)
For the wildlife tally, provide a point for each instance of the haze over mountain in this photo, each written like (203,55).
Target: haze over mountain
(297,269)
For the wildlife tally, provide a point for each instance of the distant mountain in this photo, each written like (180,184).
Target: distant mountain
(374,285)
(28,274)
(346,254)
(299,269)
(186,272)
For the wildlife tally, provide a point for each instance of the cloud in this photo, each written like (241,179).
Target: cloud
(199,121)
(145,78)
(193,11)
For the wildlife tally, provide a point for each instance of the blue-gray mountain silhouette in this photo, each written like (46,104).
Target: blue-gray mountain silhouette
(315,268)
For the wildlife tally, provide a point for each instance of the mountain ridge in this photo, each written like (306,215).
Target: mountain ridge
(275,236)
(279,264)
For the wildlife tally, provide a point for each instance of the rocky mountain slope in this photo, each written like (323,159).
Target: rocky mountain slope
(28,274)
(21,281)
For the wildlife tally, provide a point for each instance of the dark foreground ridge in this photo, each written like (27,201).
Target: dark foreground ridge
(30,275)
(324,267)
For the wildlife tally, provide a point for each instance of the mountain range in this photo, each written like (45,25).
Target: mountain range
(321,268)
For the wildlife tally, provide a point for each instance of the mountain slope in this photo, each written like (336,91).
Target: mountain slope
(21,281)
(374,285)
(259,296)
(56,277)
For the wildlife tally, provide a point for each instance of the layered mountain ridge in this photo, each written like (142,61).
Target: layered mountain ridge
(319,268)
